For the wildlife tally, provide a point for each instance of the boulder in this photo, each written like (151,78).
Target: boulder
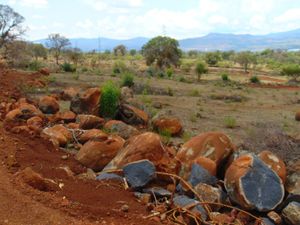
(35,123)
(132,115)
(126,94)
(98,152)
(293,183)
(87,122)
(120,128)
(48,105)
(211,145)
(182,201)
(297,116)
(166,122)
(66,117)
(291,213)
(23,112)
(87,102)
(145,146)
(59,135)
(68,94)
(36,180)
(275,163)
(138,174)
(91,134)
(249,182)
(44,71)
(73,126)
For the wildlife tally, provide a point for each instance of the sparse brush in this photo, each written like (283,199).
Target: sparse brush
(166,135)
(225,76)
(254,80)
(68,67)
(127,80)
(109,100)
(230,122)
(119,67)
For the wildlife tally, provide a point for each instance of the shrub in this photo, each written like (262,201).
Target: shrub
(35,65)
(119,67)
(150,71)
(109,100)
(291,70)
(68,67)
(165,135)
(182,79)
(200,69)
(170,91)
(254,80)
(230,122)
(169,72)
(225,76)
(186,67)
(127,80)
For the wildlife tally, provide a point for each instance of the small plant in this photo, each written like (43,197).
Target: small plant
(151,71)
(230,122)
(186,136)
(119,67)
(170,91)
(200,69)
(254,80)
(76,76)
(68,67)
(35,65)
(182,79)
(169,72)
(166,135)
(127,80)
(109,100)
(193,118)
(161,74)
(194,93)
(186,67)
(225,77)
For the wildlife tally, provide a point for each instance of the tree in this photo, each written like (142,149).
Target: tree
(132,52)
(74,55)
(57,43)
(120,50)
(10,25)
(18,54)
(163,51)
(200,69)
(38,51)
(212,58)
(245,59)
(292,70)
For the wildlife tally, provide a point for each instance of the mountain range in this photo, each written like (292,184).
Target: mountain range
(289,40)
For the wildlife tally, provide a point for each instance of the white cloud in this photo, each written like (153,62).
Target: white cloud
(288,16)
(85,24)
(30,3)
(115,6)
(218,20)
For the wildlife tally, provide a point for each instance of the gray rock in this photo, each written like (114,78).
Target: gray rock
(291,213)
(139,173)
(158,192)
(182,201)
(109,176)
(201,175)
(267,221)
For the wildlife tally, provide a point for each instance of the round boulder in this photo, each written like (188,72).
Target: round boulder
(58,135)
(48,105)
(120,128)
(91,134)
(87,122)
(253,185)
(132,115)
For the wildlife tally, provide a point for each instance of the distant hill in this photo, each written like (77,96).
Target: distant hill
(214,41)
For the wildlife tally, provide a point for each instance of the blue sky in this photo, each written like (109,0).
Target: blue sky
(135,18)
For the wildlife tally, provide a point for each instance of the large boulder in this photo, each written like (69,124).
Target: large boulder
(297,116)
(211,145)
(98,152)
(253,185)
(275,163)
(126,94)
(145,146)
(87,102)
(166,122)
(48,105)
(120,128)
(23,112)
(66,117)
(68,94)
(89,122)
(44,71)
(59,135)
(35,123)
(132,115)
(91,134)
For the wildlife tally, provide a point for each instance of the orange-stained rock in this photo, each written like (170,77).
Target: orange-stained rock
(171,125)
(275,163)
(146,146)
(212,145)
(91,134)
(66,117)
(72,125)
(132,115)
(89,121)
(20,129)
(120,128)
(87,102)
(24,111)
(98,152)
(297,116)
(45,71)
(253,185)
(68,94)
(35,123)
(221,218)
(58,134)
(48,105)
(207,164)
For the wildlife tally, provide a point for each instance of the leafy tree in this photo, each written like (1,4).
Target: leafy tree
(200,69)
(120,50)
(57,44)
(10,25)
(245,59)
(133,52)
(291,70)
(212,58)
(74,55)
(192,53)
(18,54)
(164,51)
(38,51)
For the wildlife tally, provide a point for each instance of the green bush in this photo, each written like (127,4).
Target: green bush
(161,74)
(35,65)
(127,80)
(119,67)
(150,71)
(68,67)
(182,79)
(254,80)
(225,77)
(291,70)
(169,72)
(230,122)
(200,69)
(186,67)
(109,100)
